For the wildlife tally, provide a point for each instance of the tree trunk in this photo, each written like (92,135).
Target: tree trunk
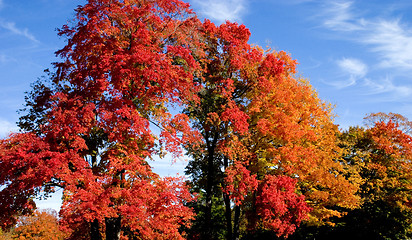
(95,230)
(113,226)
(252,216)
(208,204)
(211,146)
(228,214)
(236,223)
(228,209)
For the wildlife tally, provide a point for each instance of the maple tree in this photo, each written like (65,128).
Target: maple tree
(268,151)
(88,130)
(387,166)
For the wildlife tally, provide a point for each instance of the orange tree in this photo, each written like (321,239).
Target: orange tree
(380,157)
(268,152)
(88,130)
(40,225)
(6,235)
(385,167)
(388,170)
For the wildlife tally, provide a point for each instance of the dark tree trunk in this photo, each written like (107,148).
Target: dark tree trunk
(113,226)
(94,226)
(209,183)
(95,230)
(228,208)
(236,223)
(208,204)
(228,215)
(252,215)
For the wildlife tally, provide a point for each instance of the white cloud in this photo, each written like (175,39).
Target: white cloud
(11,26)
(166,167)
(222,10)
(339,84)
(389,38)
(392,41)
(4,58)
(340,18)
(387,85)
(6,128)
(353,67)
(352,70)
(298,1)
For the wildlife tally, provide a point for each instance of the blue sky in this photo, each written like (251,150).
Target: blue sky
(356,54)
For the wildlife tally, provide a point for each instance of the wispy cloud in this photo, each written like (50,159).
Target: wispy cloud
(352,69)
(166,166)
(353,66)
(222,10)
(6,128)
(389,38)
(387,85)
(392,41)
(11,26)
(339,17)
(298,1)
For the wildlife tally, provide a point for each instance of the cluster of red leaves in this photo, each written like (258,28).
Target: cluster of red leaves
(239,183)
(392,140)
(227,56)
(154,208)
(26,164)
(279,206)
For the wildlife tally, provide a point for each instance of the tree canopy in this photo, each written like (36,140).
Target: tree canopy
(268,141)
(139,79)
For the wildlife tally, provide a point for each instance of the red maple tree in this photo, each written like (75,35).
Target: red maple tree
(89,131)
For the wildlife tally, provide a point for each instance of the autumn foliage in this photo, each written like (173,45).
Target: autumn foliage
(264,131)
(279,206)
(41,225)
(381,154)
(378,158)
(139,79)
